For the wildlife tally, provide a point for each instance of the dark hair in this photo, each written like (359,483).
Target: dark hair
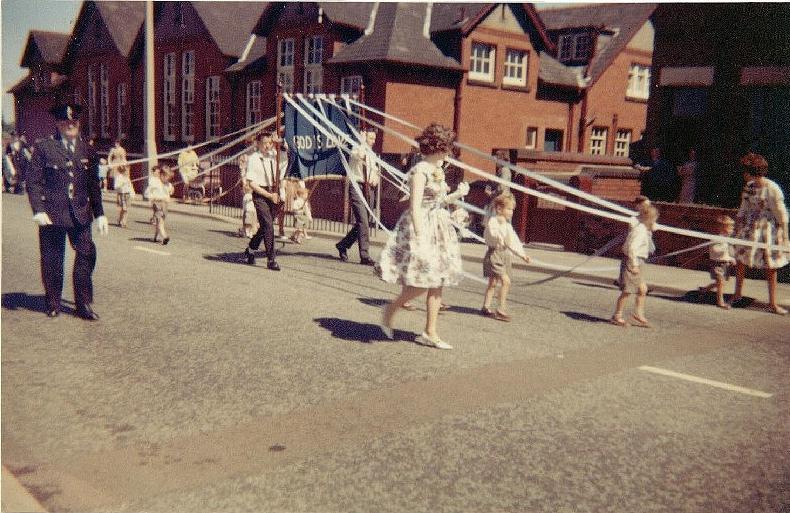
(263,135)
(436,139)
(754,164)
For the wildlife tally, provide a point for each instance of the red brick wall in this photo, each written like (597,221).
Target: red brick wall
(617,189)
(32,116)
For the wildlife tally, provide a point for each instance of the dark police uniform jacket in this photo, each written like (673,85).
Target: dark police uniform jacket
(65,185)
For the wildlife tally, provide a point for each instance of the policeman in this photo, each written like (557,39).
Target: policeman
(262,178)
(64,192)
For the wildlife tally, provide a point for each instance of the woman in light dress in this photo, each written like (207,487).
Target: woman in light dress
(423,254)
(762,217)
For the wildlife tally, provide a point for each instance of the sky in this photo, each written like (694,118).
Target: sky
(21,16)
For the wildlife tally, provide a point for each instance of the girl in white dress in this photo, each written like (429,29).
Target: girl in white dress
(423,253)
(762,217)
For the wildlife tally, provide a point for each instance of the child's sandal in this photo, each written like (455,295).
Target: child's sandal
(501,316)
(640,322)
(618,322)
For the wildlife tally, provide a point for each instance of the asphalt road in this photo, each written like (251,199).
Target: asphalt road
(212,385)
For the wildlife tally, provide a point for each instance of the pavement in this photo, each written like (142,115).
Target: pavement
(546,429)
(546,259)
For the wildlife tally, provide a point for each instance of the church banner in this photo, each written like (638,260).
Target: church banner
(310,152)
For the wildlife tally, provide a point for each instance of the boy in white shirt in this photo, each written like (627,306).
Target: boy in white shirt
(721,261)
(501,240)
(635,251)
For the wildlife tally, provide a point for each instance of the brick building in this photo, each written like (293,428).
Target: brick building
(723,85)
(503,75)
(35,94)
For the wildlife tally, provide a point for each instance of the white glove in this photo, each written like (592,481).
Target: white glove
(102,225)
(42,219)
(463,189)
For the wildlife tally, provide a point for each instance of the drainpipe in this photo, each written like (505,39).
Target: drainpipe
(582,122)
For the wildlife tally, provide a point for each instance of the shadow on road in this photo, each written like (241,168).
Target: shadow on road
(579,316)
(324,256)
(24,301)
(352,330)
(149,240)
(227,233)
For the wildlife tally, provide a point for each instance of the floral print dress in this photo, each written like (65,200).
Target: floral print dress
(434,259)
(760,219)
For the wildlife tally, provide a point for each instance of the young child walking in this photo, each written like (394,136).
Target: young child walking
(124,192)
(501,240)
(721,261)
(635,251)
(158,192)
(302,213)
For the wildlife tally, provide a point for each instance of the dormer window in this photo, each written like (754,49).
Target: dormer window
(574,47)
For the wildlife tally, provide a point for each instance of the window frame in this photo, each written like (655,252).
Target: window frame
(619,150)
(169,96)
(91,101)
(188,96)
(523,66)
(598,138)
(531,133)
(122,100)
(286,50)
(352,80)
(253,107)
(639,76)
(561,142)
(569,47)
(476,60)
(213,104)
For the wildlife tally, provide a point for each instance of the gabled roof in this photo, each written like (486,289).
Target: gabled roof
(56,80)
(453,16)
(50,45)
(123,21)
(397,36)
(230,23)
(554,72)
(622,20)
(256,51)
(353,14)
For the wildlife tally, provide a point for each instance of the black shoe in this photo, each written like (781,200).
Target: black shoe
(87,313)
(367,261)
(342,252)
(273,265)
(165,241)
(250,256)
(53,312)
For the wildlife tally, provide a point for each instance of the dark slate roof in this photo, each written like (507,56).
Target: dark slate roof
(257,51)
(123,21)
(51,46)
(554,72)
(624,20)
(397,36)
(230,23)
(353,14)
(448,16)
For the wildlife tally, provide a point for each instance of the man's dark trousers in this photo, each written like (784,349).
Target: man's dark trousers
(265,210)
(52,243)
(361,230)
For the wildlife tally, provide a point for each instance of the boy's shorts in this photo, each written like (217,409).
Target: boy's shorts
(123,200)
(160,209)
(721,270)
(628,280)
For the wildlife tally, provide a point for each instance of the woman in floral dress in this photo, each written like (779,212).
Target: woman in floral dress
(423,253)
(761,218)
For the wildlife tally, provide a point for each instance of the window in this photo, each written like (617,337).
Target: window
(531,141)
(351,85)
(122,99)
(689,102)
(515,72)
(574,47)
(253,102)
(482,62)
(598,140)
(313,57)
(212,107)
(169,97)
(285,65)
(91,102)
(638,82)
(188,96)
(552,141)
(104,101)
(313,50)
(622,143)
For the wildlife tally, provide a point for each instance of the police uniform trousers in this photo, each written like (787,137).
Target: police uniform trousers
(360,232)
(52,244)
(265,210)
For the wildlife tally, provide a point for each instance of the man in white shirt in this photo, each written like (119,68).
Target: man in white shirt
(364,171)
(262,179)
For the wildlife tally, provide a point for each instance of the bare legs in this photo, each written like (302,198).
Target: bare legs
(493,281)
(160,230)
(770,277)
(407,294)
(639,306)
